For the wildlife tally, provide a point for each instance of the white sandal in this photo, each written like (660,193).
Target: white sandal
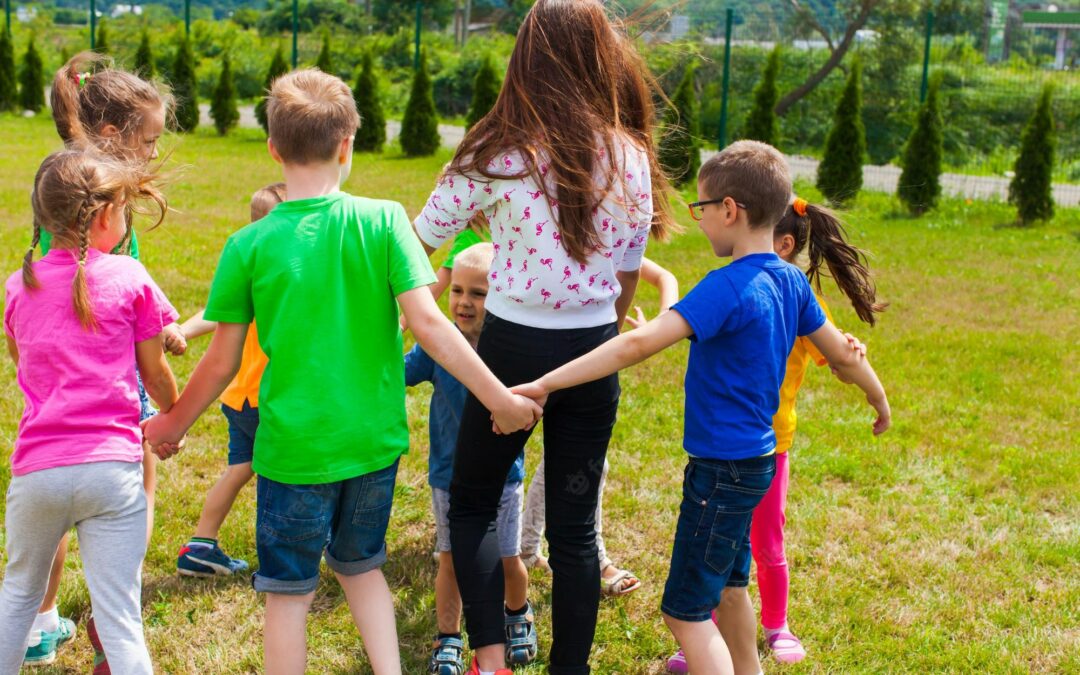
(614,586)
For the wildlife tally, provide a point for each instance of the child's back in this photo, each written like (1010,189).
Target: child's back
(321,274)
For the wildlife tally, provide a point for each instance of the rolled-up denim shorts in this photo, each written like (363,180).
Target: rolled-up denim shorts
(293,521)
(712,538)
(242,426)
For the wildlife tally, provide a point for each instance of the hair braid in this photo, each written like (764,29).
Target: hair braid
(80,293)
(29,280)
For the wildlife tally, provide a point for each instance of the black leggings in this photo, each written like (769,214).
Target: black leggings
(577,428)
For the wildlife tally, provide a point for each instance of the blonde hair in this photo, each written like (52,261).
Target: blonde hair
(265,199)
(88,94)
(70,189)
(476,257)
(309,114)
(751,173)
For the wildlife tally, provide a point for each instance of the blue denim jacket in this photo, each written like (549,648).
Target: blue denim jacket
(447,404)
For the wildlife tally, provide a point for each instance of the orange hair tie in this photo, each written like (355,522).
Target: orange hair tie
(800,207)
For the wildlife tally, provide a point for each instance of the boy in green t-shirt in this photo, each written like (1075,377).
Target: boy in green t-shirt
(321,273)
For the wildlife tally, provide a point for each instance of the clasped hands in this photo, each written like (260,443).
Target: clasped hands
(523,412)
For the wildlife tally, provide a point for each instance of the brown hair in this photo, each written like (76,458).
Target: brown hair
(823,231)
(70,189)
(88,94)
(573,74)
(309,113)
(265,199)
(751,173)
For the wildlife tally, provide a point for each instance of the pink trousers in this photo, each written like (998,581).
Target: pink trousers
(767,547)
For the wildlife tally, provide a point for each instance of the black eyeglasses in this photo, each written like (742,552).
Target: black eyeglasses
(697,209)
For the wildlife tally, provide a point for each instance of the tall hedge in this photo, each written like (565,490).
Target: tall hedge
(101,44)
(144,58)
(325,62)
(32,80)
(486,88)
(761,122)
(278,67)
(920,181)
(185,87)
(9,88)
(839,175)
(680,151)
(223,108)
(1031,189)
(371,135)
(420,125)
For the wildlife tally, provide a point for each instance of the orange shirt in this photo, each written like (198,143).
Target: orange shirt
(245,386)
(801,354)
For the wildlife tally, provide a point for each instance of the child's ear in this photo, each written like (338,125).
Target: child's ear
(345,151)
(110,131)
(102,218)
(273,151)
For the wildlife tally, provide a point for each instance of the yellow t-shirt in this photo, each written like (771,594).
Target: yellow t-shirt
(801,354)
(245,386)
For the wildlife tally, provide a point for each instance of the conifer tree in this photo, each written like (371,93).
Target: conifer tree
(680,150)
(420,125)
(144,58)
(1031,189)
(761,122)
(223,107)
(486,88)
(371,135)
(32,80)
(185,87)
(9,88)
(839,175)
(278,67)
(920,181)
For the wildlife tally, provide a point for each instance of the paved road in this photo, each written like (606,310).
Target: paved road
(878,178)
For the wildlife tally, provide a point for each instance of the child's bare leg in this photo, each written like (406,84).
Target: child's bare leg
(149,464)
(372,609)
(736,620)
(285,633)
(447,596)
(706,653)
(516,580)
(53,590)
(220,498)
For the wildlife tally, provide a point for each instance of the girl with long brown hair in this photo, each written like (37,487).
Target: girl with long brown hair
(564,171)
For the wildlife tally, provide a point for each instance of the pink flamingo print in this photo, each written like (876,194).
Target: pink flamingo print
(457,201)
(498,289)
(586,303)
(472,187)
(509,264)
(604,283)
(496,247)
(546,262)
(546,294)
(581,268)
(508,164)
(619,242)
(510,282)
(488,190)
(529,282)
(506,195)
(532,251)
(472,206)
(560,303)
(544,170)
(524,266)
(566,273)
(510,245)
(517,229)
(575,288)
(450,179)
(557,237)
(607,254)
(535,195)
(540,227)
(605,225)
(527,214)
(592,279)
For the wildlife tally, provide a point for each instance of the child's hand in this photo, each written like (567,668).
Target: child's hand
(884,418)
(636,322)
(522,413)
(174,340)
(533,390)
(167,450)
(158,431)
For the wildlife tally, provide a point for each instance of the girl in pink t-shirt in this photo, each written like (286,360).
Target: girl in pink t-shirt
(77,322)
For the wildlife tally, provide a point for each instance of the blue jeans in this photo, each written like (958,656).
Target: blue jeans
(293,521)
(242,426)
(712,539)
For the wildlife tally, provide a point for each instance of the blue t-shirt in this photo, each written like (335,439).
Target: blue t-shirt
(447,404)
(745,319)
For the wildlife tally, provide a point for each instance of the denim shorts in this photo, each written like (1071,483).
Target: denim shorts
(712,539)
(242,426)
(293,521)
(146,406)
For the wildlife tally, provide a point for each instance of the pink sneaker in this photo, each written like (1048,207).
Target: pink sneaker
(677,663)
(786,647)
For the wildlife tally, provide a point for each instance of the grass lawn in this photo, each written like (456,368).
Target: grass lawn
(950,544)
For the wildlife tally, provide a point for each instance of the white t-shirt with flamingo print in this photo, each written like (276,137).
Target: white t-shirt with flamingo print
(533,281)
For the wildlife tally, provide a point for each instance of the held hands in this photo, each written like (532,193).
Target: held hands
(163,439)
(175,342)
(520,413)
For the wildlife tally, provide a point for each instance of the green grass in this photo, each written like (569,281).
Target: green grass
(950,544)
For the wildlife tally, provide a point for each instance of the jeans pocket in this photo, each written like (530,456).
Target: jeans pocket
(292,530)
(698,490)
(375,498)
(721,551)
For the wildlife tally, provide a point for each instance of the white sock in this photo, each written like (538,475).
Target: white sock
(47,621)
(769,632)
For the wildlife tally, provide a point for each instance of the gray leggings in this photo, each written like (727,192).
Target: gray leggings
(532,522)
(106,503)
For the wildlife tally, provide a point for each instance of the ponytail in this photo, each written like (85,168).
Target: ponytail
(847,264)
(64,98)
(29,280)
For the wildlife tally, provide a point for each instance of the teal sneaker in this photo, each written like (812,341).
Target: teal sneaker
(44,652)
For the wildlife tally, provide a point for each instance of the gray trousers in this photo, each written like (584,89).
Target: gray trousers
(532,523)
(106,503)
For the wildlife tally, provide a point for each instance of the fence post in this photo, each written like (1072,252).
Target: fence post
(93,25)
(295,30)
(7,12)
(926,56)
(187,18)
(416,51)
(729,18)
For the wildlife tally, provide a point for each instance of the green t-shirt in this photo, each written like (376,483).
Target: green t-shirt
(462,241)
(45,242)
(321,276)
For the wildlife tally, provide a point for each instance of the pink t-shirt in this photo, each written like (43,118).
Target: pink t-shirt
(79,386)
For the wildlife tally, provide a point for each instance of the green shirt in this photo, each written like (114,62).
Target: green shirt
(45,242)
(322,275)
(462,241)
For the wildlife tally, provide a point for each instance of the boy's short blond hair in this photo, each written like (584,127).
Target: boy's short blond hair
(751,173)
(309,114)
(265,199)
(476,257)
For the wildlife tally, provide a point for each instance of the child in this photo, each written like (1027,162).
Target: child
(76,321)
(201,556)
(742,320)
(801,224)
(323,273)
(564,171)
(468,289)
(614,581)
(123,116)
